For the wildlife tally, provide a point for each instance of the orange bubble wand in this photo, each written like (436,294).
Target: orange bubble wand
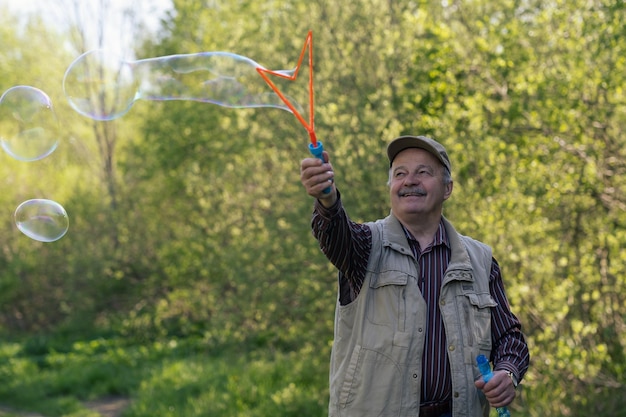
(315,147)
(309,126)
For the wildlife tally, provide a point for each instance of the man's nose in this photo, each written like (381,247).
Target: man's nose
(413,178)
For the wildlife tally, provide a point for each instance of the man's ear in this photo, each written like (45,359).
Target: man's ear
(448,192)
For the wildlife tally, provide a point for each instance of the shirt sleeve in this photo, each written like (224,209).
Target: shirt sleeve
(510,350)
(346,244)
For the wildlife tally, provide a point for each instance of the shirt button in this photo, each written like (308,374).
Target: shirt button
(456,395)
(420,330)
(442,302)
(451,348)
(414,375)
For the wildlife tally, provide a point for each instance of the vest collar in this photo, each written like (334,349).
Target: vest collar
(459,266)
(460,257)
(393,235)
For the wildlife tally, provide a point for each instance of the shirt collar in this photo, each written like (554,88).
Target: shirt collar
(441,237)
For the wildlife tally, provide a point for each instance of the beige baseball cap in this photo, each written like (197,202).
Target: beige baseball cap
(405,142)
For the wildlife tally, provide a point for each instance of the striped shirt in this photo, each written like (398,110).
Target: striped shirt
(348,244)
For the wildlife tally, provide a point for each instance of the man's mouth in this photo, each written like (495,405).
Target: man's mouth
(412,192)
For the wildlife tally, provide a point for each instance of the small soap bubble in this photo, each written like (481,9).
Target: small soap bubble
(42,220)
(29,128)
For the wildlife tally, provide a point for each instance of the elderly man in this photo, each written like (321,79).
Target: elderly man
(417,302)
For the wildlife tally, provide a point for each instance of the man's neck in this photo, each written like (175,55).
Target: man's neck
(423,230)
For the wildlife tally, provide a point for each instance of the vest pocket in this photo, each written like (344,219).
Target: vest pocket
(371,384)
(477,314)
(387,304)
(481,300)
(385,278)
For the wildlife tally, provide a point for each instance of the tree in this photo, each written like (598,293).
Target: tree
(493,82)
(212,224)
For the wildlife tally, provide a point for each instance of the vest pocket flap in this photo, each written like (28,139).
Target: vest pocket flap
(388,278)
(481,300)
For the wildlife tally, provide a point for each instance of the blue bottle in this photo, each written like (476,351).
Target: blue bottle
(485,370)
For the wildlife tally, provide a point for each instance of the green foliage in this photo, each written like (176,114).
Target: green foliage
(283,384)
(54,382)
(191,238)
(164,378)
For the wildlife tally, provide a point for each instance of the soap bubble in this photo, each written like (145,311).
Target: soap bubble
(42,220)
(102,86)
(28,126)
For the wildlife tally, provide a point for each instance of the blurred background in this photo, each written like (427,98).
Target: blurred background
(188,281)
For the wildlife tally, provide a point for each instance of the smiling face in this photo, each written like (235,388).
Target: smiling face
(417,188)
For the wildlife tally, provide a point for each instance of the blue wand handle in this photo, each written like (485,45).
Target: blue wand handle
(316,151)
(485,370)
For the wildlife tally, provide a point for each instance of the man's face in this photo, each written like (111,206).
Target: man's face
(416,185)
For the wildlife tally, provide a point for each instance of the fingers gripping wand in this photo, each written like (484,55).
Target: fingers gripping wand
(316,150)
(315,147)
(485,370)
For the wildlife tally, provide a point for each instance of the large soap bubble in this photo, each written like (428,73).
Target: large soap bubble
(102,86)
(42,220)
(28,126)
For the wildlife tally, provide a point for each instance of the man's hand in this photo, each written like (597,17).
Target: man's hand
(316,176)
(499,391)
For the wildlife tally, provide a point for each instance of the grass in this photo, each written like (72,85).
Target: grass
(175,378)
(192,378)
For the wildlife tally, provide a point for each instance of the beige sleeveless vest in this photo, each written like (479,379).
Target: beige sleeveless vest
(379,337)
